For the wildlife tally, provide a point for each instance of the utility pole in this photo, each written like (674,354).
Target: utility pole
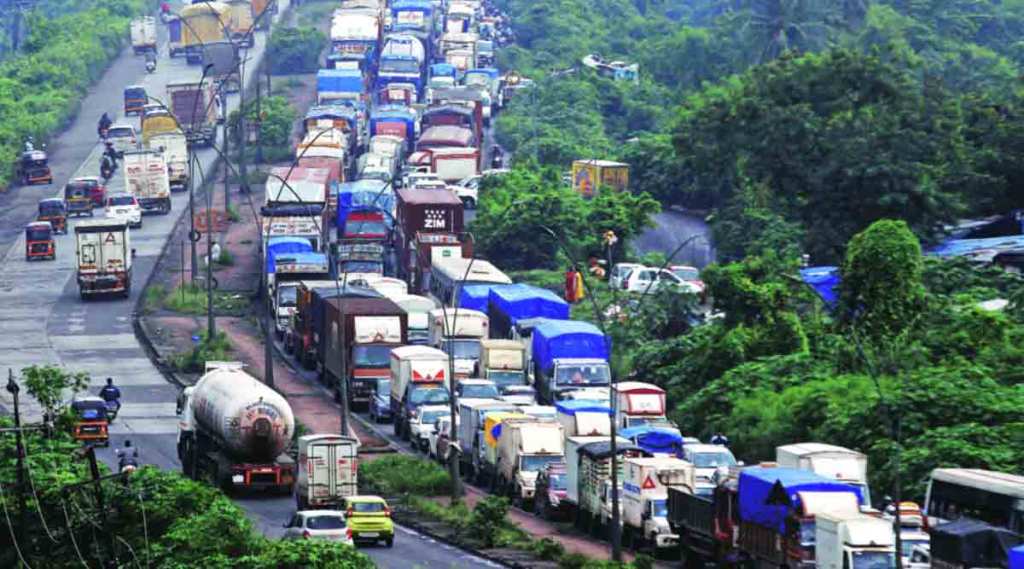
(94,470)
(13,388)
(227,156)
(211,330)
(259,122)
(616,530)
(193,237)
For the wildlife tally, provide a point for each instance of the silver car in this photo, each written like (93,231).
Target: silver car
(319,524)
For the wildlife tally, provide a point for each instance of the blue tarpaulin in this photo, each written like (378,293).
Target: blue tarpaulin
(824,281)
(767,495)
(655,440)
(332,112)
(394,120)
(339,81)
(365,194)
(442,70)
(567,339)
(967,247)
(520,301)
(281,245)
(475,297)
(572,406)
(1017,557)
(305,258)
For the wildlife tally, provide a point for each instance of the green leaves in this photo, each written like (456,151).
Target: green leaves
(295,50)
(48,385)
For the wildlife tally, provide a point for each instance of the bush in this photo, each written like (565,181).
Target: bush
(195,360)
(276,117)
(488,520)
(192,299)
(401,474)
(295,50)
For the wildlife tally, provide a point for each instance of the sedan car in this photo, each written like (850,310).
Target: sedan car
(424,423)
(125,207)
(380,405)
(319,524)
(369,518)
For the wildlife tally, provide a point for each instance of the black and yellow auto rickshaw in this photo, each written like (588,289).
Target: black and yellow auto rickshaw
(134,99)
(91,424)
(78,199)
(54,211)
(39,243)
(33,167)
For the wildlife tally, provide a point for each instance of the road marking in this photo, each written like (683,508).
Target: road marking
(95,342)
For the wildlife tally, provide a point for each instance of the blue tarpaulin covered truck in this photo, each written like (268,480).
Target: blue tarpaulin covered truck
(568,355)
(508,304)
(339,84)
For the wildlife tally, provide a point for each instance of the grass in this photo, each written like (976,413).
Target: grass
(194,360)
(191,299)
(153,298)
(403,474)
(225,259)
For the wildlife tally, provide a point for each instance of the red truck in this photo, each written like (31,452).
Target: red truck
(419,213)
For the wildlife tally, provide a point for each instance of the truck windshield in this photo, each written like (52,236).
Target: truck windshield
(286,296)
(556,482)
(536,463)
(372,356)
(582,375)
(713,459)
(479,392)
(908,545)
(506,378)
(807,531)
(429,396)
(361,267)
(383,386)
(432,417)
(659,509)
(358,227)
(873,560)
(463,349)
(400,66)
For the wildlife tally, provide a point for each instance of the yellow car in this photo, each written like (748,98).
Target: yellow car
(369,519)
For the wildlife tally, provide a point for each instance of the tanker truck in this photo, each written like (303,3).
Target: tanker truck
(234,431)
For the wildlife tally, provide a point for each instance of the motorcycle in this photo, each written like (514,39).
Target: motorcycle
(112,408)
(150,65)
(107,168)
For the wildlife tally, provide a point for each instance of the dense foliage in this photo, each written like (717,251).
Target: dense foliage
(295,50)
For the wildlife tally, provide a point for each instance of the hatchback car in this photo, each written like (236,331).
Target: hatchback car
(424,423)
(617,279)
(125,207)
(369,518)
(643,280)
(122,137)
(688,274)
(319,524)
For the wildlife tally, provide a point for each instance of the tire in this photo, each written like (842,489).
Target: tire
(390,542)
(397,427)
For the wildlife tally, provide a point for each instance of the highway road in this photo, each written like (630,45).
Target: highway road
(45,322)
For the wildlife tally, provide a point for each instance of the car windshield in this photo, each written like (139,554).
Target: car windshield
(713,459)
(531,463)
(367,507)
(121,200)
(431,417)
(372,356)
(365,227)
(556,482)
(119,132)
(480,392)
(325,522)
(383,386)
(873,560)
(659,509)
(463,349)
(506,378)
(287,296)
(582,375)
(429,396)
(687,273)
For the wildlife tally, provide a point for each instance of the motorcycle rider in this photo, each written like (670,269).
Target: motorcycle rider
(720,439)
(127,456)
(104,125)
(110,393)
(150,62)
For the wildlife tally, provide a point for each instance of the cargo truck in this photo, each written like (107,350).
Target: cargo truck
(568,355)
(419,376)
(644,500)
(589,175)
(525,448)
(829,461)
(295,222)
(638,404)
(339,85)
(853,540)
(357,337)
(143,34)
(175,47)
(104,257)
(234,431)
(503,362)
(285,302)
(240,22)
(487,468)
(584,417)
(509,304)
(146,178)
(593,479)
(968,542)
(202,24)
(195,108)
(308,321)
(472,415)
(174,146)
(459,332)
(448,164)
(423,211)
(297,186)
(418,310)
(328,471)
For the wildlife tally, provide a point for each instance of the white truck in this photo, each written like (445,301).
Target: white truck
(145,176)
(295,186)
(143,34)
(525,448)
(174,146)
(584,418)
(104,257)
(328,471)
(460,331)
(853,540)
(472,413)
(419,376)
(418,308)
(644,505)
(638,403)
(830,461)
(503,362)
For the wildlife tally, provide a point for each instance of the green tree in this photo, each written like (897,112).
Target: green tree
(50,385)
(295,50)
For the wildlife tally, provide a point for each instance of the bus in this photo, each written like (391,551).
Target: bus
(996,498)
(451,273)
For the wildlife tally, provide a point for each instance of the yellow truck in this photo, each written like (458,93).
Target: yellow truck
(201,24)
(588,175)
(240,22)
(260,6)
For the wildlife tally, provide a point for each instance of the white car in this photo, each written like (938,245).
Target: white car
(708,460)
(519,395)
(319,524)
(643,280)
(619,273)
(124,207)
(468,189)
(688,274)
(122,137)
(424,423)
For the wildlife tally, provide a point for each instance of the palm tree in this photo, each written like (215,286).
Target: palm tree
(774,27)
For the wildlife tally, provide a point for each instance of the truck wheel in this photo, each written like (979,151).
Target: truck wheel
(397,427)
(390,542)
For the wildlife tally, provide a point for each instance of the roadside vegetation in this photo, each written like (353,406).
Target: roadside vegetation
(216,349)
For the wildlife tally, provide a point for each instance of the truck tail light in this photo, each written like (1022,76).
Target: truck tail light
(348,534)
(348,513)
(387,512)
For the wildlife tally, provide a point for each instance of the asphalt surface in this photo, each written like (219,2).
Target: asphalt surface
(45,322)
(674,228)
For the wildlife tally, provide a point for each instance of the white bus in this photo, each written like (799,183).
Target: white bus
(449,274)
(992,497)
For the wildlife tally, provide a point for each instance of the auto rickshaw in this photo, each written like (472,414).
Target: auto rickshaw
(54,211)
(135,98)
(91,425)
(33,167)
(77,199)
(39,243)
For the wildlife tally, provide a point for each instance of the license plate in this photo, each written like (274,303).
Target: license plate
(237,479)
(369,534)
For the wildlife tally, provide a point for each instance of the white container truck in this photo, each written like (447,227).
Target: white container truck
(644,503)
(503,362)
(146,177)
(104,257)
(143,34)
(525,448)
(328,471)
(174,145)
(235,431)
(584,417)
(459,330)
(638,403)
(418,308)
(853,540)
(830,461)
(419,376)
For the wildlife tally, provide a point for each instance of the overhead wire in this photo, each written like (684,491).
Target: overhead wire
(71,534)
(39,504)
(10,527)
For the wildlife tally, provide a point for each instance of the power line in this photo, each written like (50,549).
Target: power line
(10,527)
(71,533)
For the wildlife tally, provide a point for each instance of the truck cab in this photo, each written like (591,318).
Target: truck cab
(853,540)
(574,373)
(708,460)
(459,332)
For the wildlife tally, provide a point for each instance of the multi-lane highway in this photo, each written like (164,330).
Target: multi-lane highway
(45,322)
